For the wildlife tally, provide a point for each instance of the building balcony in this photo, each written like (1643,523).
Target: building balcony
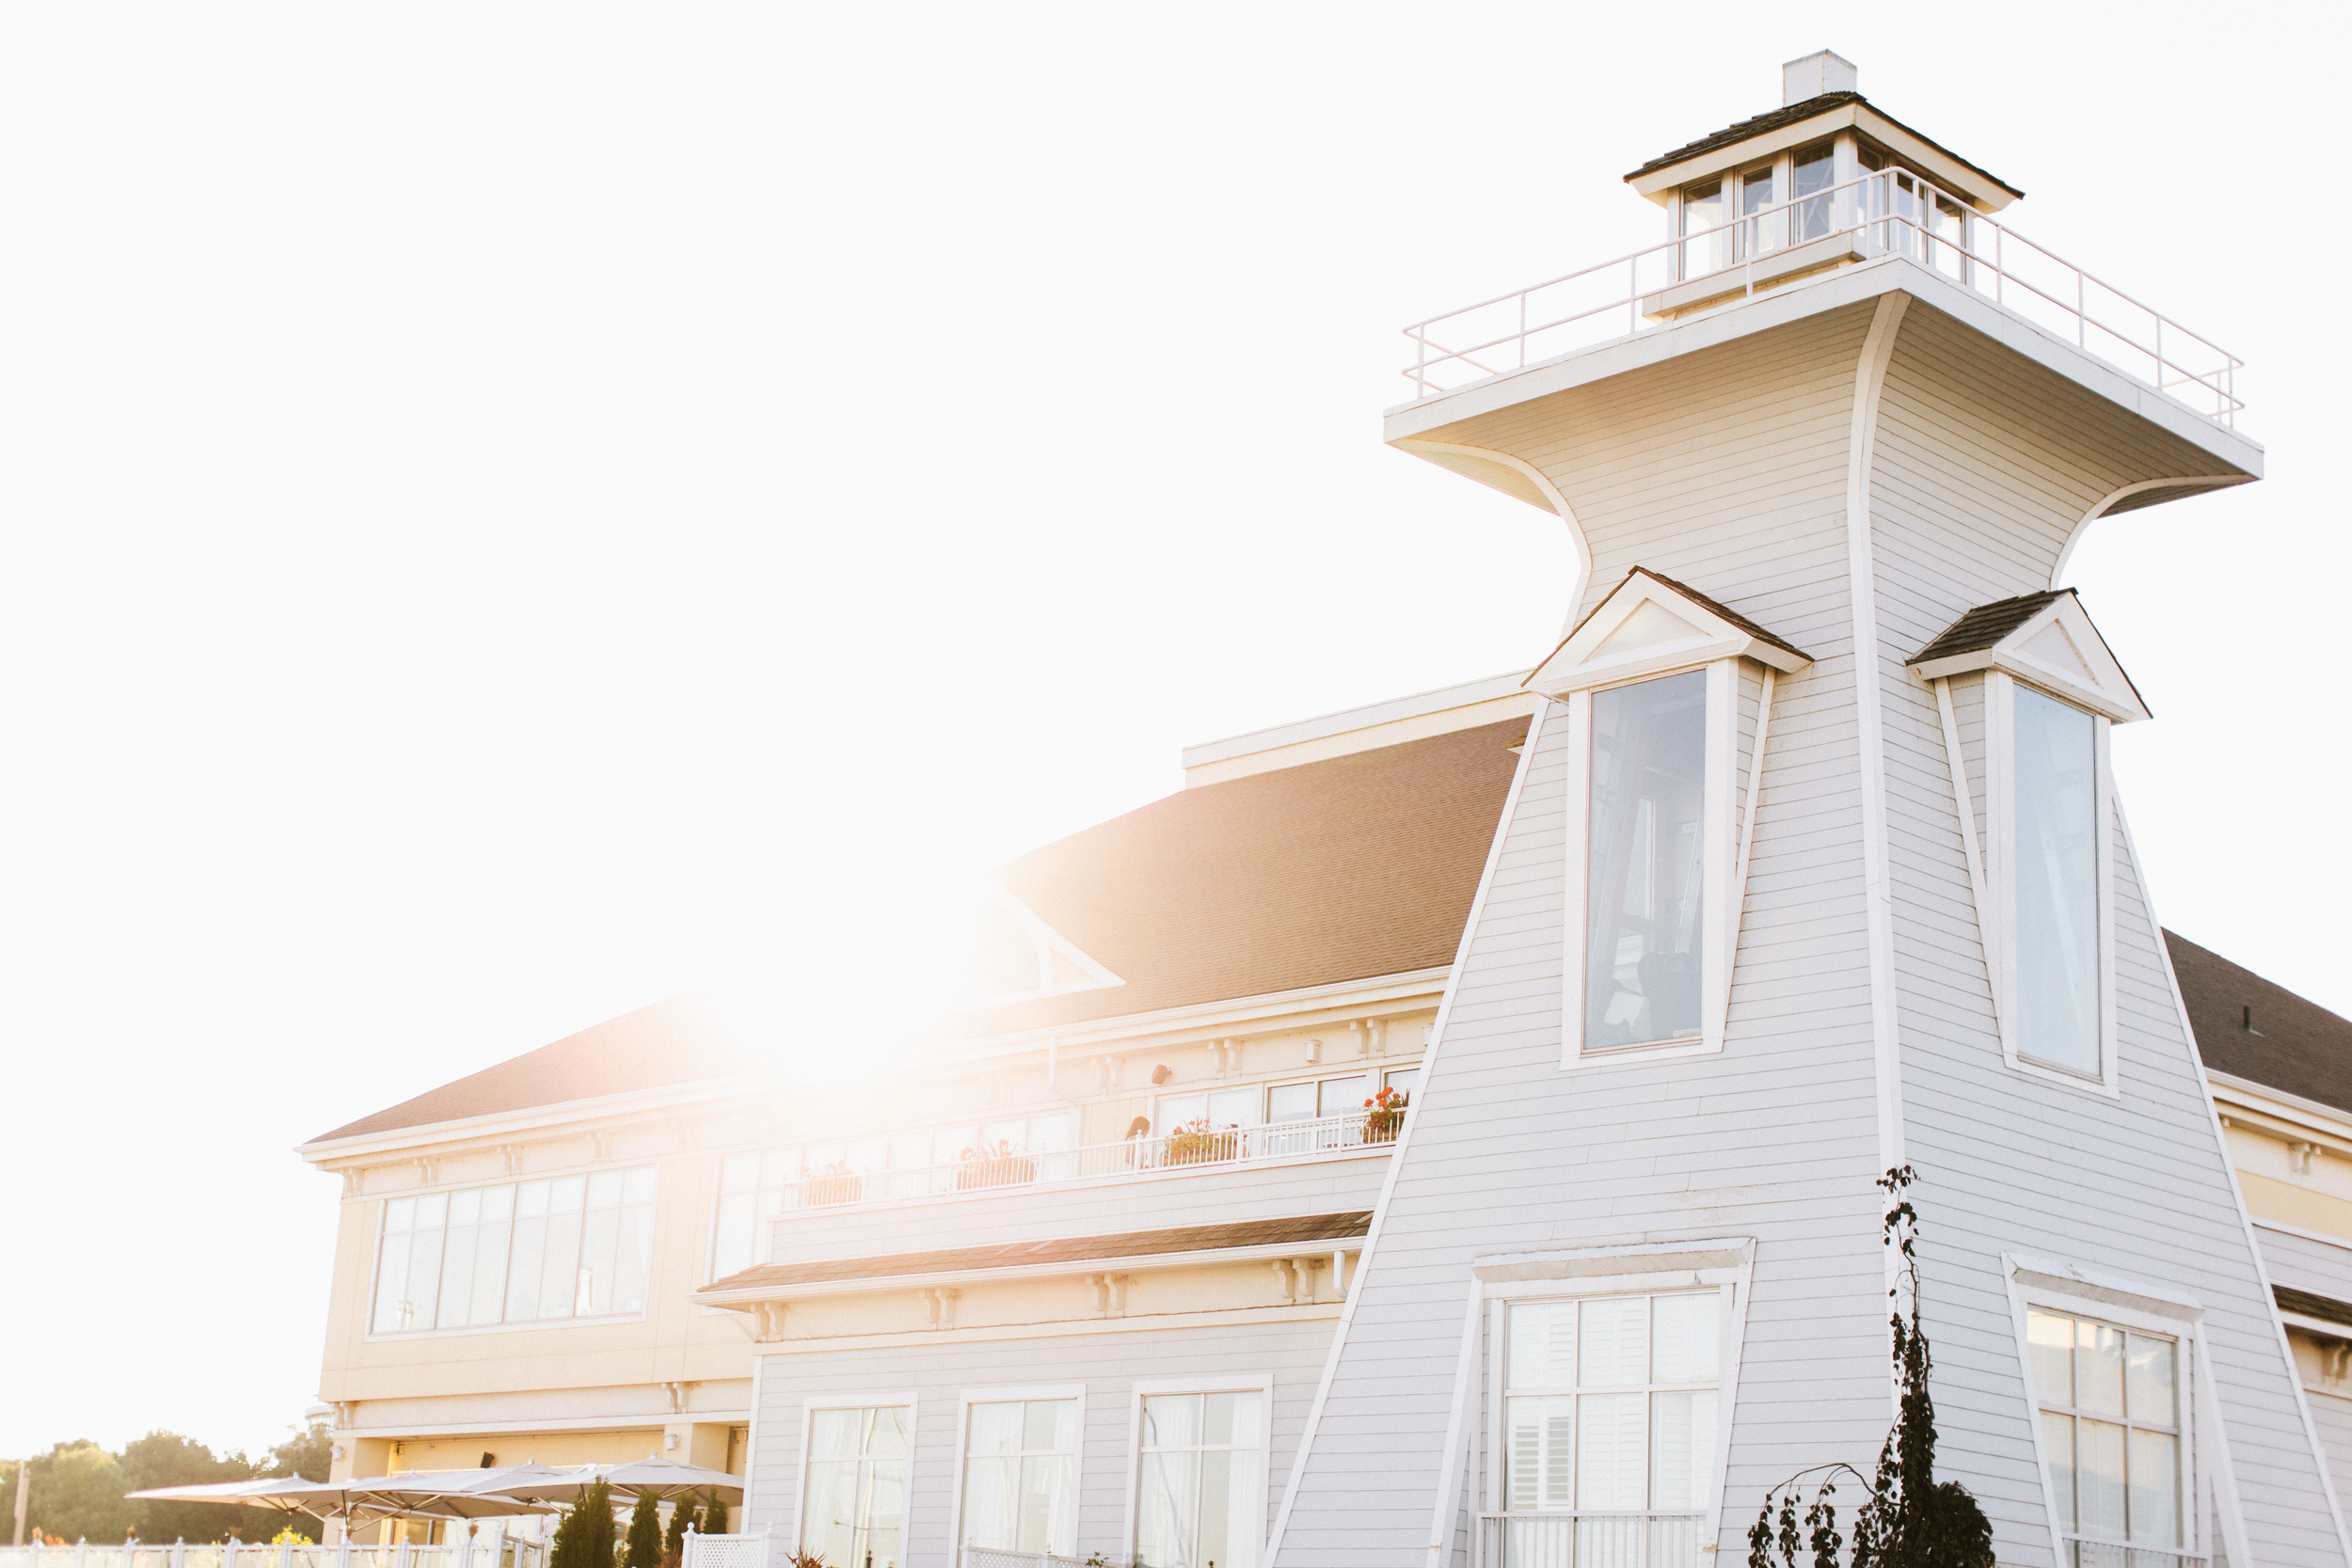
(1888,212)
(1189,1150)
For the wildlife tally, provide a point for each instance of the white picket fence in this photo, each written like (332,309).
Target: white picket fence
(490,1549)
(725,1551)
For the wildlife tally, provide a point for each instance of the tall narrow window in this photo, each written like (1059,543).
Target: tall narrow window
(1758,189)
(857,1486)
(1645,863)
(1020,1476)
(1203,1495)
(2110,1407)
(2056,873)
(1609,1429)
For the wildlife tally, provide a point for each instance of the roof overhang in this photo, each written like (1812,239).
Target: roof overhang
(2057,649)
(743,1298)
(1956,175)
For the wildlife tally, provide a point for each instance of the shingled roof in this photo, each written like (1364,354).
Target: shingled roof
(1304,1230)
(2249,1028)
(655,1047)
(1986,624)
(1346,869)
(1793,114)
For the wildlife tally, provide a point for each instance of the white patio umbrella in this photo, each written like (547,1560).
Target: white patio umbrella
(451,1494)
(657,1478)
(286,1494)
(430,1495)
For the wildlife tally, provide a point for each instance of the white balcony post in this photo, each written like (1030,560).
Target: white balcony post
(342,1548)
(178,1551)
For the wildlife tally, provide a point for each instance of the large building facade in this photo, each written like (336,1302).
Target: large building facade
(1448,1132)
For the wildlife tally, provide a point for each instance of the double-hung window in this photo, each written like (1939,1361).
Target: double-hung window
(1020,1476)
(2113,1416)
(563,1246)
(1609,1421)
(1201,1469)
(854,1516)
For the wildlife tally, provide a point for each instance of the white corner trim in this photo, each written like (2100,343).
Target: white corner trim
(1453,1459)
(1544,487)
(1870,724)
(2106,504)
(1964,799)
(1738,911)
(1380,1208)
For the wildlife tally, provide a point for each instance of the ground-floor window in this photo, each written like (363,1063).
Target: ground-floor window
(1202,1484)
(1020,1476)
(855,1514)
(2110,1406)
(1609,1429)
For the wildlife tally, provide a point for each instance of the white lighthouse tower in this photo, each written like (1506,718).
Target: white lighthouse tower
(1813,867)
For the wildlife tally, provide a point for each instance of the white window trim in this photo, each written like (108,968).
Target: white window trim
(2000,713)
(2207,1486)
(1716,894)
(852,1400)
(1652,1268)
(1023,1391)
(605,1319)
(1262,1382)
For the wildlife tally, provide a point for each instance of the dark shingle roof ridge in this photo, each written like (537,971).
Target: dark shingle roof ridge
(1295,1229)
(1986,624)
(1790,114)
(2310,1303)
(1703,601)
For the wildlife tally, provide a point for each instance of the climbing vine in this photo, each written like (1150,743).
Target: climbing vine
(1908,1520)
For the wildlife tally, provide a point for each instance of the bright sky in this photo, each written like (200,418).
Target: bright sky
(514,511)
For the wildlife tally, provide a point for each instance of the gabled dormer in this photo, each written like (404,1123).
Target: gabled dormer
(1651,623)
(2043,638)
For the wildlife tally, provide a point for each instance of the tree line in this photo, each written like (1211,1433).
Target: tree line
(76,1489)
(589,1536)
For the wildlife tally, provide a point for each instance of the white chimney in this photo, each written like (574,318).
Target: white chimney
(1815,75)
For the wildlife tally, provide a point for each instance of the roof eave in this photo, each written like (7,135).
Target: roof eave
(1987,191)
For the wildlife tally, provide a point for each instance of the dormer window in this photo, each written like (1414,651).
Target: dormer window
(1654,682)
(2028,690)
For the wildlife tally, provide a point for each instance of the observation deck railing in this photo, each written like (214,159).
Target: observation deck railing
(1186,1150)
(1882,213)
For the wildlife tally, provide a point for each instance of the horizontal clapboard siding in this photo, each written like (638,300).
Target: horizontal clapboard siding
(940,1373)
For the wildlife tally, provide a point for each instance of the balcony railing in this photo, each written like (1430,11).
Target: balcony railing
(1890,212)
(1191,1148)
(1638,1540)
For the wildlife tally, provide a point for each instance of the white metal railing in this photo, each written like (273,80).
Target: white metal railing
(2102,1554)
(489,1549)
(1884,212)
(1595,1539)
(1187,1149)
(999,1556)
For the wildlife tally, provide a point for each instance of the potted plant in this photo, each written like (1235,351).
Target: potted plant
(1193,1144)
(838,1184)
(993,1168)
(1384,1112)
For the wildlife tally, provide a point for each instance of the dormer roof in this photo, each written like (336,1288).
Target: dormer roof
(1649,623)
(1797,123)
(2045,638)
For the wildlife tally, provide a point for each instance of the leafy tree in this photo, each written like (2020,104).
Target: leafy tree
(644,1533)
(714,1515)
(1910,1520)
(681,1520)
(309,1453)
(167,1459)
(76,1492)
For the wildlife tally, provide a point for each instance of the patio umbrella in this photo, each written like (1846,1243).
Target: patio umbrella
(657,1478)
(449,1494)
(286,1494)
